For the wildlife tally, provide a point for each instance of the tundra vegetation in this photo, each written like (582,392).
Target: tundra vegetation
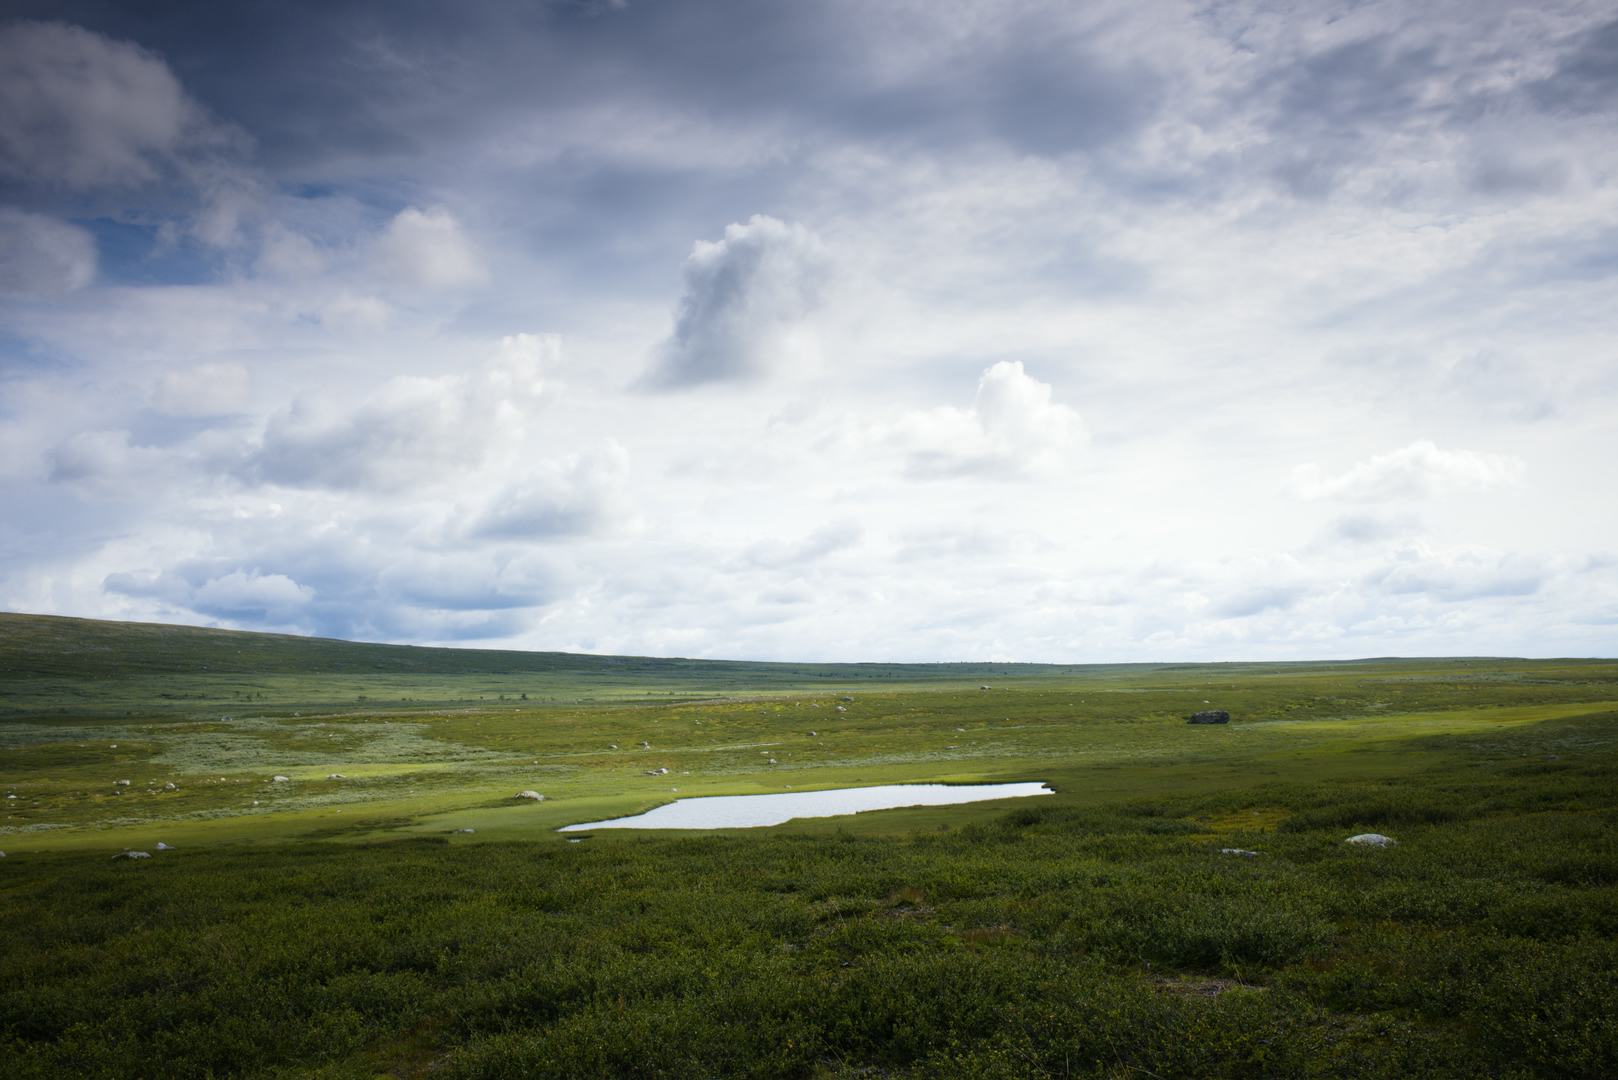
(344,923)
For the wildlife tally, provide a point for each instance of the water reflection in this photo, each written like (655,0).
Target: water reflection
(754,811)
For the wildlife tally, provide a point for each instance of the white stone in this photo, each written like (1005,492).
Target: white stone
(163,847)
(277,779)
(1372,839)
(121,783)
(1239,851)
(536,796)
(133,855)
(336,776)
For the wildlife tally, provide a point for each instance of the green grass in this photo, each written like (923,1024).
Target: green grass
(339,928)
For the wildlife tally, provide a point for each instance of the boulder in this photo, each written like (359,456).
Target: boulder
(163,847)
(454,831)
(1239,851)
(170,787)
(121,783)
(336,776)
(536,796)
(277,779)
(1372,839)
(133,855)
(1210,716)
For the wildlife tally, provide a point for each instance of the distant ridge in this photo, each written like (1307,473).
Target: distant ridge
(57,646)
(63,646)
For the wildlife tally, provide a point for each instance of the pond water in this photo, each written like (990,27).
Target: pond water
(754,811)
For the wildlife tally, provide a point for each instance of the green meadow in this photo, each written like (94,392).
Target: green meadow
(390,908)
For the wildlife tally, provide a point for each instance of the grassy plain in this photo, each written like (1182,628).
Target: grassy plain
(345,927)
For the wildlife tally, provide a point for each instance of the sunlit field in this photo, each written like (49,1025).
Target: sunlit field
(390,908)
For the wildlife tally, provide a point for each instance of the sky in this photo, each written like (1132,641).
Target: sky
(836,330)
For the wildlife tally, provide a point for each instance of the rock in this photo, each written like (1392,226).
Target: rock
(612,746)
(121,783)
(2,854)
(336,776)
(454,831)
(163,847)
(1210,716)
(983,688)
(536,796)
(277,779)
(170,787)
(841,709)
(133,855)
(1239,851)
(1372,839)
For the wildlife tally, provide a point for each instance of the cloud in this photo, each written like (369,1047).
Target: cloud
(1586,80)
(42,256)
(781,554)
(411,431)
(1259,600)
(1418,471)
(103,461)
(80,110)
(206,390)
(1368,529)
(584,494)
(1012,428)
(743,295)
(252,596)
(426,249)
(104,127)
(1454,575)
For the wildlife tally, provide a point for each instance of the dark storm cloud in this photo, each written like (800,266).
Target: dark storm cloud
(317,81)
(1587,79)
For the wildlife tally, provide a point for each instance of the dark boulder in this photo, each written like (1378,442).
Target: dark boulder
(1210,716)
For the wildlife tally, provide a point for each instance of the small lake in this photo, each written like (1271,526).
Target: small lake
(756,811)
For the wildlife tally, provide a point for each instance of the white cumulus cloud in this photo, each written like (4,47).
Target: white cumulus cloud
(1012,427)
(428,249)
(743,297)
(1418,471)
(205,390)
(411,431)
(581,495)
